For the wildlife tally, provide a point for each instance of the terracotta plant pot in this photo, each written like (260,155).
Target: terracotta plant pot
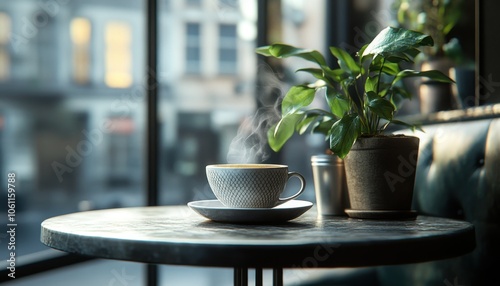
(380,174)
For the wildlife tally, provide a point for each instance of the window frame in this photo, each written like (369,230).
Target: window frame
(52,259)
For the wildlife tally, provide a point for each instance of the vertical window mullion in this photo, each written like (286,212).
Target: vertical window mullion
(152,118)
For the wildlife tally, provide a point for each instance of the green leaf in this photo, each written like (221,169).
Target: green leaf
(412,127)
(397,90)
(432,74)
(381,107)
(278,134)
(388,67)
(298,97)
(391,68)
(397,40)
(384,90)
(452,12)
(305,124)
(323,127)
(399,57)
(337,75)
(413,52)
(361,51)
(284,51)
(345,61)
(314,119)
(264,51)
(344,133)
(408,55)
(371,84)
(337,102)
(317,73)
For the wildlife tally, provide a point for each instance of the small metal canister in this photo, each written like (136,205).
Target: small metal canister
(329,185)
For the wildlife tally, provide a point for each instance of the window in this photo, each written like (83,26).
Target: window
(5,23)
(81,30)
(118,55)
(194,3)
(71,148)
(193,49)
(83,148)
(228,46)
(121,152)
(228,4)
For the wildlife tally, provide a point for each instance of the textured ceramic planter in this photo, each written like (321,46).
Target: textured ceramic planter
(380,173)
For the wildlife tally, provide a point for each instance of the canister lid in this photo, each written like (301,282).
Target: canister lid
(326,159)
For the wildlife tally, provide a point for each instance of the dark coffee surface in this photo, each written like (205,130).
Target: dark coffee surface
(177,235)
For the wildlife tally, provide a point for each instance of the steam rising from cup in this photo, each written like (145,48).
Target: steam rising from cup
(250,144)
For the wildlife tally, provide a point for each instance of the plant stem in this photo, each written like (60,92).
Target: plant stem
(363,118)
(377,119)
(380,75)
(356,107)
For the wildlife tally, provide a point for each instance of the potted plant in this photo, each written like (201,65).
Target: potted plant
(362,95)
(436,18)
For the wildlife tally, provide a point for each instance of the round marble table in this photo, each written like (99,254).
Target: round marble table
(177,235)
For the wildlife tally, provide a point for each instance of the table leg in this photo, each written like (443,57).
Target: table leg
(258,277)
(240,277)
(278,277)
(151,275)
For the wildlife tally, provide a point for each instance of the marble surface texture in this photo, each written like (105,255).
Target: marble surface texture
(177,235)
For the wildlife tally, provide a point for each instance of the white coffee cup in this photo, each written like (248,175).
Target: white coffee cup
(251,185)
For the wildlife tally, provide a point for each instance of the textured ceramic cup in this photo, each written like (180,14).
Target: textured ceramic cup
(251,185)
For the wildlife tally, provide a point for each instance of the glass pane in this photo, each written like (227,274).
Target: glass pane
(302,24)
(72,101)
(228,4)
(195,3)
(201,115)
(193,48)
(227,31)
(80,33)
(228,49)
(72,110)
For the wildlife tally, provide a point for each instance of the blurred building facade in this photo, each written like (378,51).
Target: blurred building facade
(73,90)
(73,98)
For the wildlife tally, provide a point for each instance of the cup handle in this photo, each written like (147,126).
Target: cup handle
(302,187)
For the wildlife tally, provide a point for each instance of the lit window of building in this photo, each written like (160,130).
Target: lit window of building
(118,55)
(5,30)
(80,31)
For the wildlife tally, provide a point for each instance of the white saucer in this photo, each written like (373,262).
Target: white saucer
(216,211)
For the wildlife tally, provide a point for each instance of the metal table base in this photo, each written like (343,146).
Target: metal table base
(241,277)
